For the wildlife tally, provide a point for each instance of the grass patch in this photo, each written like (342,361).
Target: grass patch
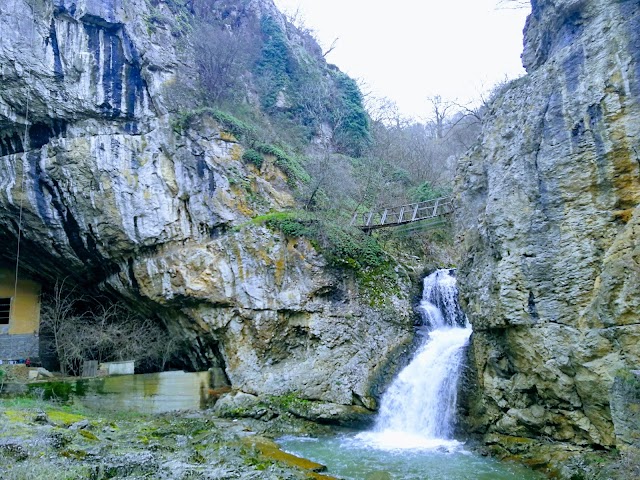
(287,163)
(227,121)
(23,403)
(64,417)
(41,469)
(292,224)
(290,401)
(253,157)
(343,246)
(16,416)
(61,414)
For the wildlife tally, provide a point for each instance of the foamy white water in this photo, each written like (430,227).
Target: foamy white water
(418,410)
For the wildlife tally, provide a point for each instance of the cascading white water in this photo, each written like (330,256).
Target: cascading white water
(418,409)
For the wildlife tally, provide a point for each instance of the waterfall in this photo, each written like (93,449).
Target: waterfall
(418,409)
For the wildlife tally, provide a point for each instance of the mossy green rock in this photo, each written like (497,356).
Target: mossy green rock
(177,445)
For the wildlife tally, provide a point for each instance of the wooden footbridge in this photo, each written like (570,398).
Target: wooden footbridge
(437,208)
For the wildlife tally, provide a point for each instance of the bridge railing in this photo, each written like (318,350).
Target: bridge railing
(403,214)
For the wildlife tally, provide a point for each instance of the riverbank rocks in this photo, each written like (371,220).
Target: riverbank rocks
(14,449)
(179,445)
(267,408)
(550,229)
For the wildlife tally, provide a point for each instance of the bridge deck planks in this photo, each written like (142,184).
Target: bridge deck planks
(403,214)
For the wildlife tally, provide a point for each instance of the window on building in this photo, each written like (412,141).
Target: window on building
(5,310)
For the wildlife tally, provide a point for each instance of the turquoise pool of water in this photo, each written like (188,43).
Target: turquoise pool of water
(352,457)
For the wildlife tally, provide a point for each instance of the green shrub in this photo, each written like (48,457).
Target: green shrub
(350,247)
(271,150)
(226,120)
(292,224)
(350,116)
(253,157)
(154,19)
(235,126)
(58,391)
(343,246)
(276,63)
(426,191)
(402,176)
(291,227)
(288,164)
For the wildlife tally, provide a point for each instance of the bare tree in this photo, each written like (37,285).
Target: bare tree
(82,328)
(514,4)
(220,54)
(331,172)
(297,19)
(331,48)
(409,160)
(439,110)
(60,322)
(384,111)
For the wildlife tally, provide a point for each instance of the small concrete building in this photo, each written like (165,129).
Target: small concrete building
(19,317)
(118,368)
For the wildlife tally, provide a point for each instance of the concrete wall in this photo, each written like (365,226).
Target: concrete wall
(118,368)
(25,307)
(19,347)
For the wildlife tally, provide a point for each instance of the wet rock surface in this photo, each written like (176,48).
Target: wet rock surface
(112,445)
(267,408)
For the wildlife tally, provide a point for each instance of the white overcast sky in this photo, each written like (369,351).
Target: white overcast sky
(408,50)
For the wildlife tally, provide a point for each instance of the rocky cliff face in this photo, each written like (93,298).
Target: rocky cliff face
(551,229)
(103,189)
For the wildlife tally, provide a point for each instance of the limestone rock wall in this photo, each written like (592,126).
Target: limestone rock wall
(625,410)
(106,191)
(550,228)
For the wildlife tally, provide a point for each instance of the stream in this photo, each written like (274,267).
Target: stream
(347,457)
(413,434)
